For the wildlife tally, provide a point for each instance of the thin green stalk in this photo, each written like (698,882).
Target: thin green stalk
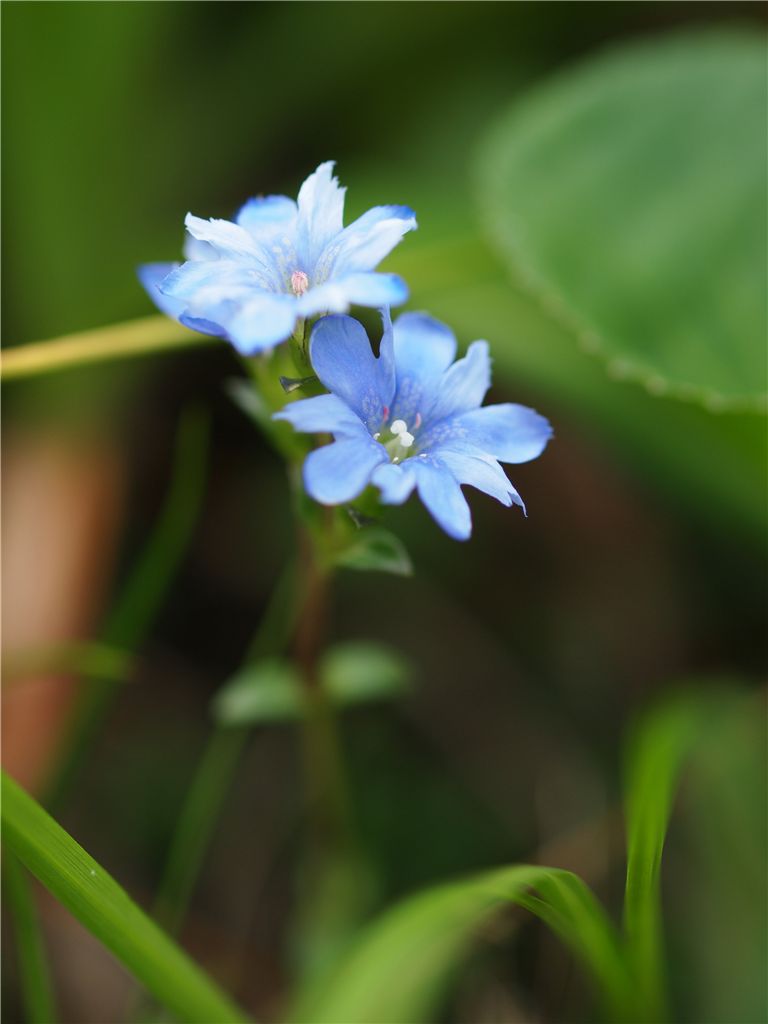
(34,978)
(196,823)
(214,772)
(103,344)
(326,784)
(144,591)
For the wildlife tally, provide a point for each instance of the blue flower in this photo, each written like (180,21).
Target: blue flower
(411,418)
(281,261)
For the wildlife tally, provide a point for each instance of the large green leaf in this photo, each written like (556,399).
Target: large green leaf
(629,194)
(99,903)
(399,969)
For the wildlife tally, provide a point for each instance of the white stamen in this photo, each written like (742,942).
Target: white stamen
(299,282)
(398,426)
(406,439)
(396,458)
(377,435)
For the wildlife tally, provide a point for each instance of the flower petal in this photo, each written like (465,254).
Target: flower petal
(320,414)
(265,216)
(223,235)
(340,471)
(321,213)
(364,243)
(394,482)
(511,433)
(206,282)
(342,358)
(463,385)
(260,323)
(440,492)
(337,295)
(151,275)
(481,471)
(423,349)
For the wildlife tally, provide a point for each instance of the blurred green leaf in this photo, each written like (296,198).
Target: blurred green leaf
(146,586)
(271,690)
(377,549)
(629,194)
(34,977)
(361,671)
(104,908)
(400,968)
(656,752)
(267,691)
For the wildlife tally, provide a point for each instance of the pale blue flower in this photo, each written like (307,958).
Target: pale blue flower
(411,418)
(280,262)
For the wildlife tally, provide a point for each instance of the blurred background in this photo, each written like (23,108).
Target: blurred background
(589,183)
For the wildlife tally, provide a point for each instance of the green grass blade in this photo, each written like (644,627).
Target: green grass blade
(105,909)
(145,588)
(120,341)
(399,969)
(34,978)
(656,752)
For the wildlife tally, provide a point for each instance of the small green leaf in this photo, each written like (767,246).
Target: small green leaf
(376,549)
(106,910)
(266,691)
(357,672)
(271,690)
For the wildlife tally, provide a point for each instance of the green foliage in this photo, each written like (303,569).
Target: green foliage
(629,193)
(656,752)
(266,691)
(271,690)
(104,908)
(373,548)
(400,968)
(401,965)
(147,584)
(34,979)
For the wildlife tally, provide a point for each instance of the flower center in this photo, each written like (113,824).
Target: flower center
(397,438)
(299,282)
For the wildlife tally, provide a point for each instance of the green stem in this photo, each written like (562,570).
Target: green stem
(34,978)
(144,592)
(328,804)
(196,823)
(214,772)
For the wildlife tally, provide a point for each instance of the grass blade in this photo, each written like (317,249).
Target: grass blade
(656,752)
(34,978)
(120,341)
(99,903)
(399,969)
(145,588)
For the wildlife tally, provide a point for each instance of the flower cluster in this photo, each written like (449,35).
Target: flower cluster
(408,419)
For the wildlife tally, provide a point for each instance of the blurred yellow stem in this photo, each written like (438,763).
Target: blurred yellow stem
(119,341)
